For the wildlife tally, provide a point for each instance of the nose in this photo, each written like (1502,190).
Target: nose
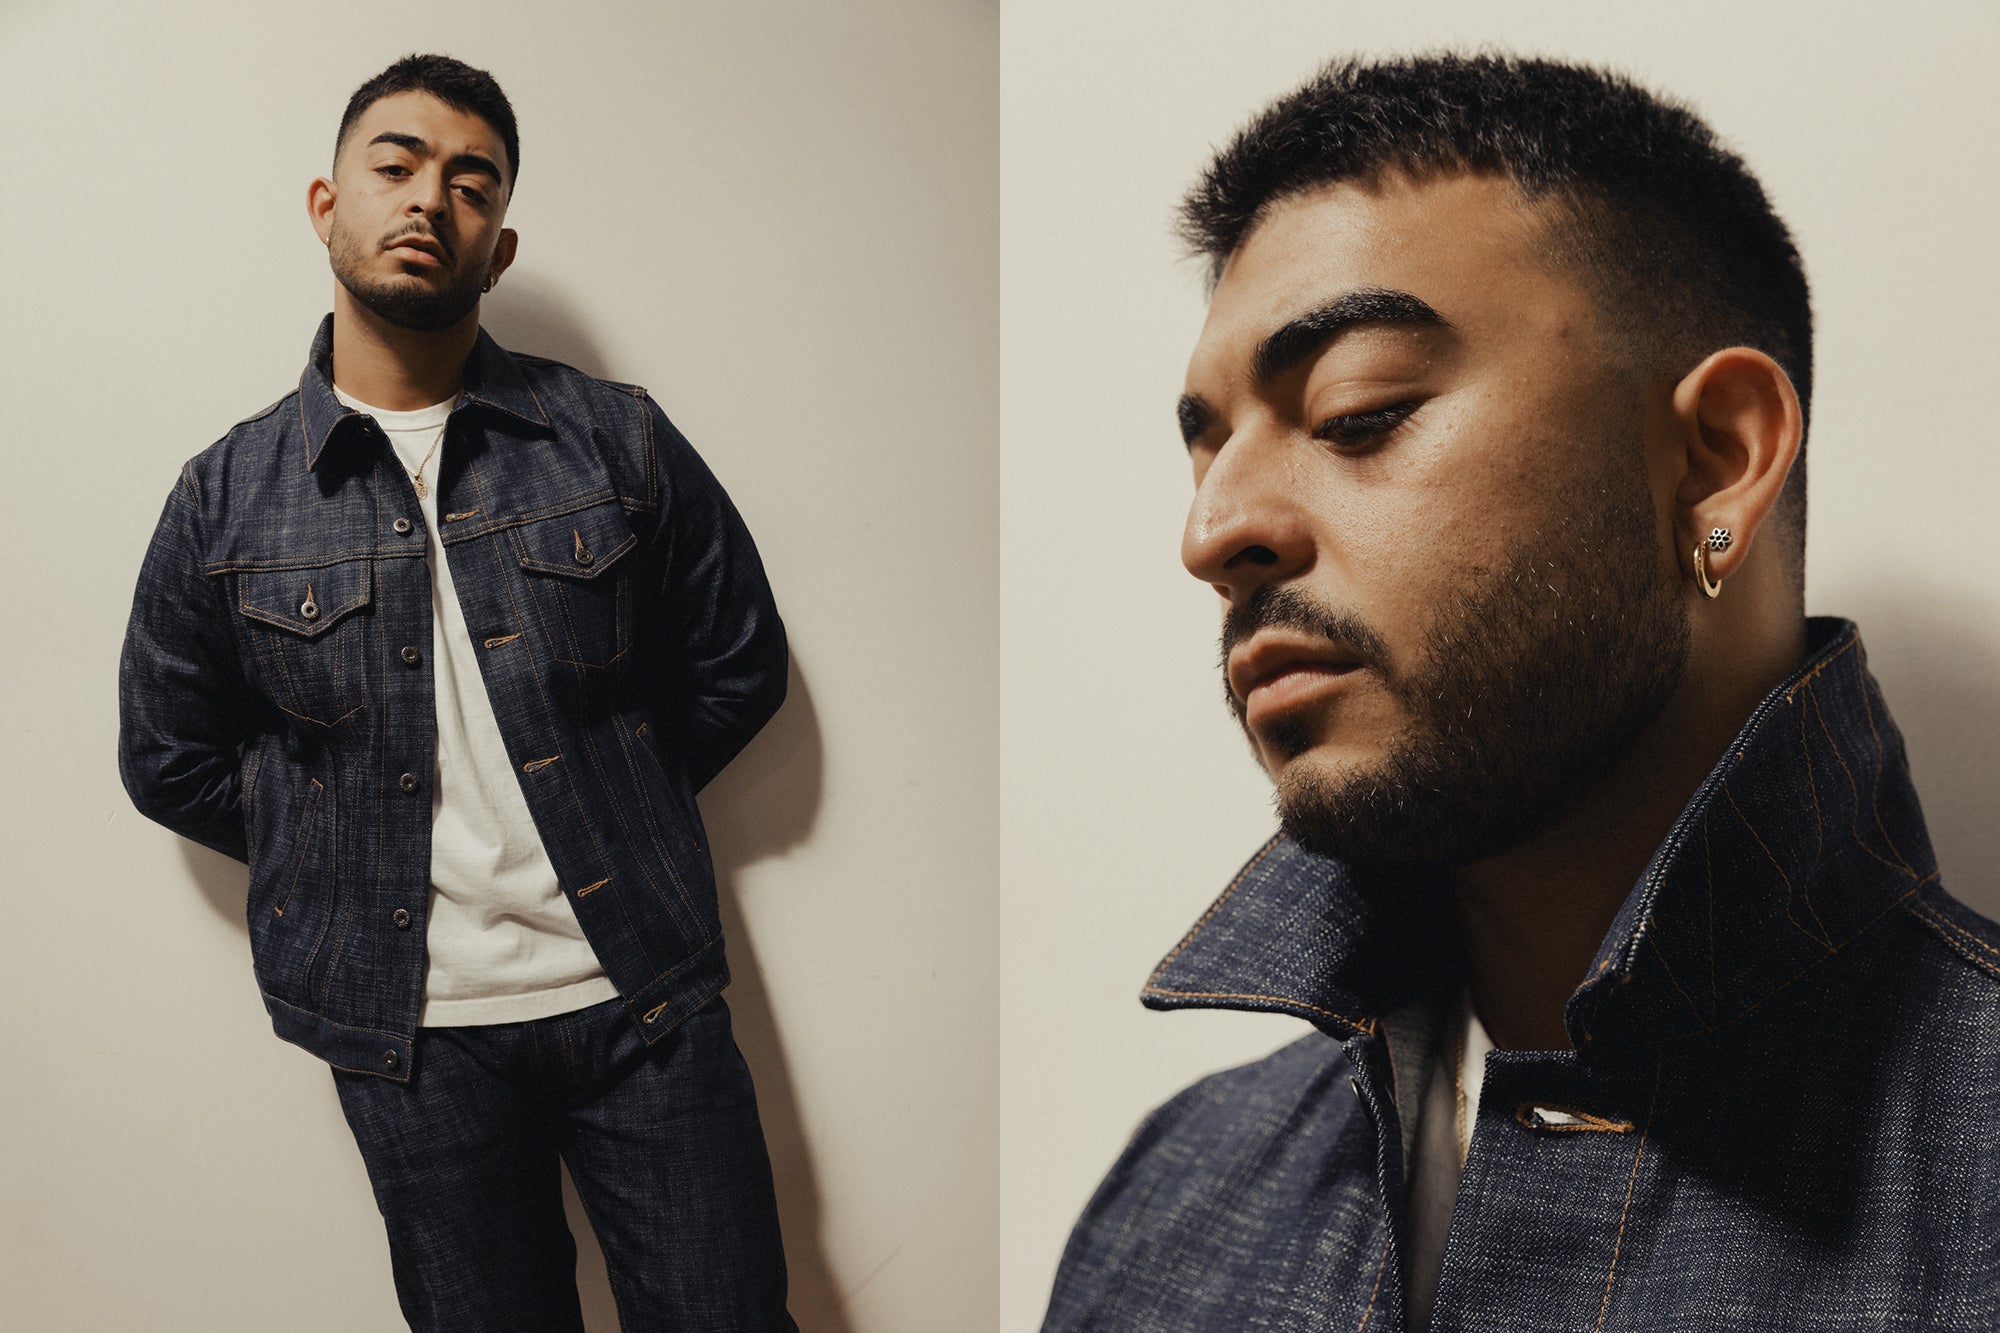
(428,196)
(1248,525)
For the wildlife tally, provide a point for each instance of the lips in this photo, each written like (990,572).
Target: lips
(1273,672)
(418,242)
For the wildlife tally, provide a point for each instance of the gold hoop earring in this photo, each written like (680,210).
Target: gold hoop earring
(1709,588)
(490,280)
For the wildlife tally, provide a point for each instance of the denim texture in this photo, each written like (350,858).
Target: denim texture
(661,1140)
(1779,1105)
(276,688)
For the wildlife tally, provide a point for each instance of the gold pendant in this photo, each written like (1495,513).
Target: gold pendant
(422,490)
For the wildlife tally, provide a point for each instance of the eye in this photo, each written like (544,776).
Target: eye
(391,170)
(472,194)
(1359,429)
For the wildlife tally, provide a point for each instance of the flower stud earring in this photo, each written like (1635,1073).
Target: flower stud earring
(1718,540)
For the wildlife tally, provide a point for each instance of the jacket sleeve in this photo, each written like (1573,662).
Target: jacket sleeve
(719,647)
(181,695)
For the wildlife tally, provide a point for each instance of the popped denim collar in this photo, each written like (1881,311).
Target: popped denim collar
(1805,833)
(491,379)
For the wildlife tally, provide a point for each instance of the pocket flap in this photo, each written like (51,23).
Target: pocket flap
(307,602)
(581,545)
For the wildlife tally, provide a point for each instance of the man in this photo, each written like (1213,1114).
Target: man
(442,644)
(1497,422)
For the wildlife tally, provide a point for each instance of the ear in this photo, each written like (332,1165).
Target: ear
(1741,426)
(319,207)
(503,253)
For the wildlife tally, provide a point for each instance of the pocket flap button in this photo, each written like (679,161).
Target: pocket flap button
(402,527)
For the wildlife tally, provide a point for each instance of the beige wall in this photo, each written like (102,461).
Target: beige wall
(1127,795)
(779,217)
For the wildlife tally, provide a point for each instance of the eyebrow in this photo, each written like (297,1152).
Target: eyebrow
(459,162)
(1303,337)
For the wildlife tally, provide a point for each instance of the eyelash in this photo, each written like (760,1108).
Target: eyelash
(1359,428)
(394,172)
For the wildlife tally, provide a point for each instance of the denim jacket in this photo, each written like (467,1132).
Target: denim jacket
(276,688)
(1779,1111)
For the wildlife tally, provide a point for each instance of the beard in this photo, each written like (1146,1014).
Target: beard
(406,301)
(1529,686)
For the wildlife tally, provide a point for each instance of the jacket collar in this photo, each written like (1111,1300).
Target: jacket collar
(1805,833)
(492,379)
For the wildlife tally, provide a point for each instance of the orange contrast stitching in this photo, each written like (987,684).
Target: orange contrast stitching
(1592,1124)
(496,641)
(537,765)
(592,888)
(1376,1290)
(1363,1025)
(1631,1186)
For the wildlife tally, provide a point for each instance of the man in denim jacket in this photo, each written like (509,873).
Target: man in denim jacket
(1497,423)
(442,644)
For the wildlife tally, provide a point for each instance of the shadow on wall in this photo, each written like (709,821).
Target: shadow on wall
(764,804)
(1941,676)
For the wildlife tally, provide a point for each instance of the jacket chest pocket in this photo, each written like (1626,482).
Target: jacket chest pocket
(303,630)
(580,575)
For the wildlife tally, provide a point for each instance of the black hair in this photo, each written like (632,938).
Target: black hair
(452,82)
(1668,226)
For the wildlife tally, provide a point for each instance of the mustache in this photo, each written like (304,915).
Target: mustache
(450,255)
(1277,606)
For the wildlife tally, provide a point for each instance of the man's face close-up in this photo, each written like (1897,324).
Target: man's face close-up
(1450,599)
(417,269)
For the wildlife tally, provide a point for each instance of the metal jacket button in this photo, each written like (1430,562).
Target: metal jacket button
(409,784)
(402,527)
(411,656)
(309,609)
(389,1059)
(401,916)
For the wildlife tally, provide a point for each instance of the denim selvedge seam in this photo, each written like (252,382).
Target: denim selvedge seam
(554,732)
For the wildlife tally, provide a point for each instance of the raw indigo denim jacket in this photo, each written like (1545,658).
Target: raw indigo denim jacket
(1782,1109)
(276,687)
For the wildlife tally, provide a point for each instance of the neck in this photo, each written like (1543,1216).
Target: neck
(1535,915)
(394,368)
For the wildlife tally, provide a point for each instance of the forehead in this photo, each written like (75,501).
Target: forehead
(444,127)
(1470,246)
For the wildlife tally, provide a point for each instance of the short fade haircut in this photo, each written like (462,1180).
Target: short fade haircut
(452,82)
(1668,228)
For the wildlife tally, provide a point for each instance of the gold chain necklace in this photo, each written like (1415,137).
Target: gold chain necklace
(424,489)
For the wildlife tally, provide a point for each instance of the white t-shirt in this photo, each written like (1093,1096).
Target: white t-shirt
(504,942)
(1444,1133)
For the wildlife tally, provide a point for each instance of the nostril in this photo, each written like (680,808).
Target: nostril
(1262,556)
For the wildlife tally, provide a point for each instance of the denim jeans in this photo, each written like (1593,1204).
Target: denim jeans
(662,1142)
